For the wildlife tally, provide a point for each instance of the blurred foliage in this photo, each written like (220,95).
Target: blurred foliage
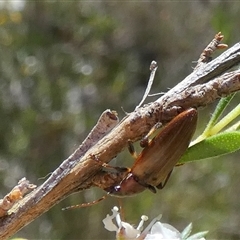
(64,62)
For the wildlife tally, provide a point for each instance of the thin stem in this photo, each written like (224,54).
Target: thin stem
(226,120)
(153,69)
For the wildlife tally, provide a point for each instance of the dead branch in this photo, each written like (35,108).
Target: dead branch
(206,84)
(206,55)
(16,194)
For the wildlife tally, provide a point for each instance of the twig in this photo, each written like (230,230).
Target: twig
(200,88)
(153,69)
(16,194)
(107,121)
(206,55)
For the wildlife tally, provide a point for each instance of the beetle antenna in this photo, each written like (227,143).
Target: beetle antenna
(85,204)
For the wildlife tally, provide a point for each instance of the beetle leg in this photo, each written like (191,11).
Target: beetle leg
(85,204)
(116,169)
(109,167)
(179,164)
(132,150)
(145,140)
(163,184)
(149,187)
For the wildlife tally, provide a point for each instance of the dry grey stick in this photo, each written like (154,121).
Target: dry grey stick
(200,88)
(153,69)
(16,194)
(107,121)
(206,72)
(206,55)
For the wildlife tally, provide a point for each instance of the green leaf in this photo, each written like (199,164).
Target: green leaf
(186,232)
(223,103)
(199,235)
(213,127)
(217,145)
(225,121)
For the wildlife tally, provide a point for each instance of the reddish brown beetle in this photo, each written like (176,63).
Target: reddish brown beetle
(154,164)
(156,161)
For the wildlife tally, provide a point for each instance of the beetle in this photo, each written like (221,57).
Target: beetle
(155,163)
(153,166)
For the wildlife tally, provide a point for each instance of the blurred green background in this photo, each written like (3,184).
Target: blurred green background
(64,62)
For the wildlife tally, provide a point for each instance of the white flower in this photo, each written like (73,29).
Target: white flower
(124,230)
(163,231)
(154,231)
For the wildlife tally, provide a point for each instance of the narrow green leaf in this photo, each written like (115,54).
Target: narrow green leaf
(225,121)
(199,235)
(223,103)
(214,146)
(234,127)
(186,232)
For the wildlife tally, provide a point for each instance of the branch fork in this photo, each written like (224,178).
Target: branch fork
(203,86)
